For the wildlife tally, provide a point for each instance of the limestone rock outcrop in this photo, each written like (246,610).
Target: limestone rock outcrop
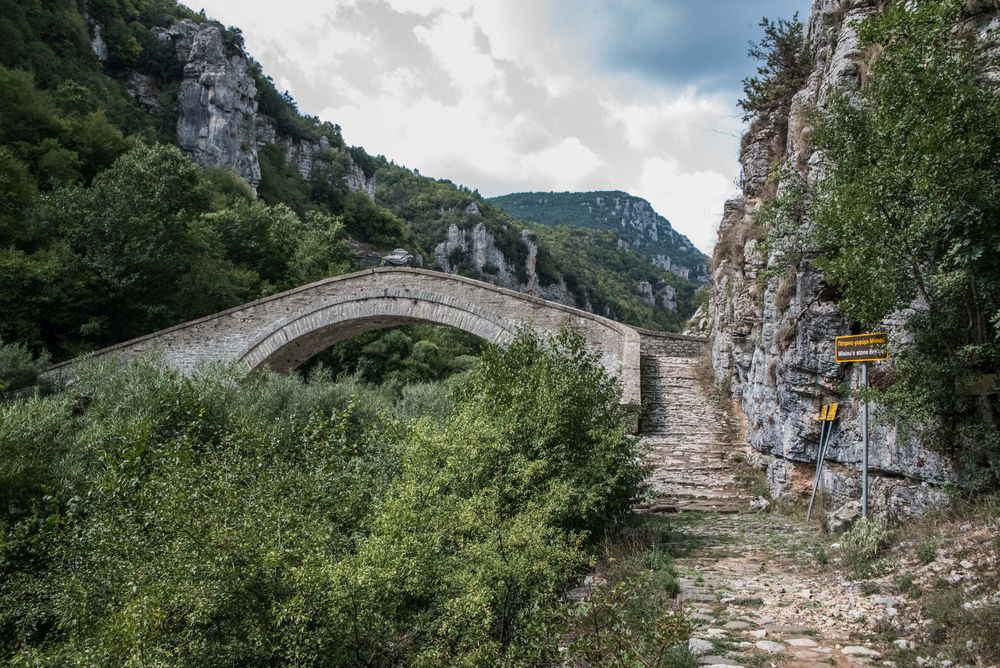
(217,101)
(218,121)
(475,249)
(663,296)
(772,341)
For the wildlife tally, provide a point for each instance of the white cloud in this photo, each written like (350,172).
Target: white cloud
(691,200)
(490,94)
(565,165)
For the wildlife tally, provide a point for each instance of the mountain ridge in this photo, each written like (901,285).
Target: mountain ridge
(638,225)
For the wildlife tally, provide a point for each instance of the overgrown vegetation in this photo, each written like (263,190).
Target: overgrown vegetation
(152,241)
(632,617)
(904,223)
(604,210)
(864,544)
(601,274)
(397,358)
(157,519)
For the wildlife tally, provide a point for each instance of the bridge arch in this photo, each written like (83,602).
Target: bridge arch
(284,330)
(308,333)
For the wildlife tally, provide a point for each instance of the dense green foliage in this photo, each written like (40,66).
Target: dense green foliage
(20,371)
(634,620)
(602,274)
(604,211)
(152,241)
(401,356)
(905,223)
(785,62)
(149,518)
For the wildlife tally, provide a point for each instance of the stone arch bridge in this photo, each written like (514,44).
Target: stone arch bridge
(284,330)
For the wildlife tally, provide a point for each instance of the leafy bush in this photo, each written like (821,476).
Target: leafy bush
(632,617)
(20,370)
(153,518)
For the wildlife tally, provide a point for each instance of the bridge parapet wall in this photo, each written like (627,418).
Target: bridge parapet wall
(672,345)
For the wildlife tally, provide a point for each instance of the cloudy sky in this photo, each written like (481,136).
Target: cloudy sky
(513,95)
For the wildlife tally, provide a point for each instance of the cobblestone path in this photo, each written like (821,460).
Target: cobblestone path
(756,587)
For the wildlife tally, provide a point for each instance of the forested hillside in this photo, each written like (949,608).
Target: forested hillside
(150,172)
(632,219)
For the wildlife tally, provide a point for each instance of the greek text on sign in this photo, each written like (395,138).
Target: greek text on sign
(870,347)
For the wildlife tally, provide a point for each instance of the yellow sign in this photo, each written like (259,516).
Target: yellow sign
(871,347)
(828,413)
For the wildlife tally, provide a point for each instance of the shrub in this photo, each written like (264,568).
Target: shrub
(863,544)
(786,63)
(149,517)
(20,370)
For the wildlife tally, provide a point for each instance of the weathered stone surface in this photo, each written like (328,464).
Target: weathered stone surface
(143,88)
(689,436)
(772,344)
(217,103)
(698,647)
(284,330)
(217,118)
(476,246)
(97,43)
(842,518)
(663,296)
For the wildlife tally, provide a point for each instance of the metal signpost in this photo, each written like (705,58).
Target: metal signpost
(864,348)
(827,415)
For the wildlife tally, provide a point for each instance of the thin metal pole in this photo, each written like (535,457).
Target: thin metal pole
(819,467)
(864,442)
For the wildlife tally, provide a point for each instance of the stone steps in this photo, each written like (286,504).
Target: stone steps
(688,437)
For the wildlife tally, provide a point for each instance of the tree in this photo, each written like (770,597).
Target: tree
(786,63)
(136,244)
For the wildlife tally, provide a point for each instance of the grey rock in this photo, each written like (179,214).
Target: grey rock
(398,258)
(772,343)
(698,647)
(769,646)
(842,518)
(759,504)
(217,104)
(477,247)
(97,43)
(143,88)
(218,122)
(857,650)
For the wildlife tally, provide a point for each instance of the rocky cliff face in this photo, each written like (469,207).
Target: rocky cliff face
(217,105)
(218,121)
(772,342)
(475,249)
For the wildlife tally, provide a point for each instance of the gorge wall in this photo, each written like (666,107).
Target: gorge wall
(772,340)
(218,120)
